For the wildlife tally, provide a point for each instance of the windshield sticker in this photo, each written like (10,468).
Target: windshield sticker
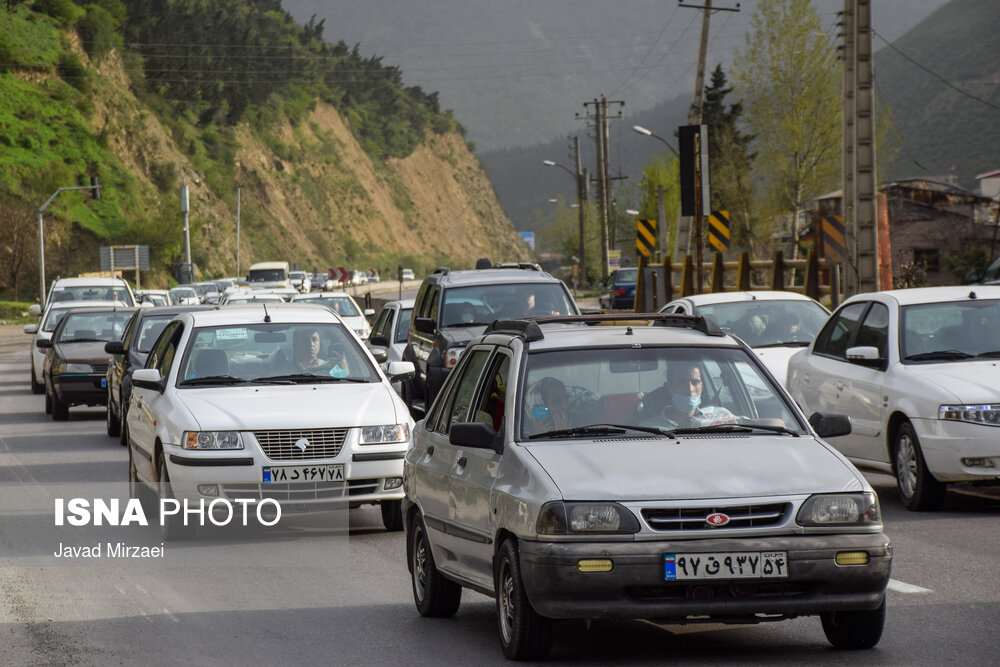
(235,333)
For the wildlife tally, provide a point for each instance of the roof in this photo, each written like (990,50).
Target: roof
(321,295)
(55,305)
(582,336)
(254,313)
(917,295)
(989,174)
(756,295)
(490,276)
(87,282)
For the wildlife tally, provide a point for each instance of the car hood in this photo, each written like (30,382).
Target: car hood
(460,334)
(776,360)
(967,381)
(89,353)
(689,468)
(290,406)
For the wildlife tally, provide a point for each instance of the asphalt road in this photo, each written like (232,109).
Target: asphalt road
(335,590)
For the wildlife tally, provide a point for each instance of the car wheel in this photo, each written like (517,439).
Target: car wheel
(112,423)
(171,525)
(36,386)
(60,410)
(137,489)
(392,515)
(433,595)
(854,629)
(524,634)
(917,486)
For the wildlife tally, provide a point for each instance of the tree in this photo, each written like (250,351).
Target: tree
(18,246)
(663,171)
(789,80)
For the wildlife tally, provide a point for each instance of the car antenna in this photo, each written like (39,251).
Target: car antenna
(972,295)
(267,318)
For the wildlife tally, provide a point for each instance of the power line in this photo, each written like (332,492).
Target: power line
(651,46)
(902,138)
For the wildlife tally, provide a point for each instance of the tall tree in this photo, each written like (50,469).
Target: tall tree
(788,78)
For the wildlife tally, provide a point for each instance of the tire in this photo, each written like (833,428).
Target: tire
(60,410)
(434,596)
(36,387)
(172,525)
(524,635)
(392,515)
(852,630)
(917,487)
(111,421)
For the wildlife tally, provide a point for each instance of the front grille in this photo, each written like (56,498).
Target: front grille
(100,368)
(693,518)
(301,492)
(324,443)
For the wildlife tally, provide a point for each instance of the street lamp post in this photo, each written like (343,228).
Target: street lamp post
(661,217)
(96,187)
(581,184)
(639,129)
(188,270)
(239,190)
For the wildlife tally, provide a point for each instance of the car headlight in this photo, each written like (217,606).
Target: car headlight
(560,518)
(452,356)
(380,435)
(212,440)
(840,509)
(68,369)
(988,413)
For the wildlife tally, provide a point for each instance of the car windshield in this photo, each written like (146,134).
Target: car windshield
(151,328)
(769,323)
(659,388)
(53,319)
(626,275)
(951,330)
(342,305)
(92,293)
(405,315)
(89,327)
(481,304)
(280,353)
(184,293)
(266,275)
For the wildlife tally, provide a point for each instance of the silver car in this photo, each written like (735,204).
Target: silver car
(578,471)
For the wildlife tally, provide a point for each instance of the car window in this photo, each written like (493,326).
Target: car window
(159,351)
(53,319)
(491,406)
(836,336)
(874,331)
(129,330)
(83,326)
(93,293)
(481,304)
(403,324)
(342,305)
(432,307)
(460,400)
(964,326)
(382,324)
(768,322)
(149,331)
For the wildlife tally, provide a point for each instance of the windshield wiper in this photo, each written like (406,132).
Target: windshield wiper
(599,429)
(305,378)
(774,428)
(214,379)
(938,354)
(991,353)
(790,343)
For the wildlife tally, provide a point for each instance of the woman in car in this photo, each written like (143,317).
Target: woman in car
(680,402)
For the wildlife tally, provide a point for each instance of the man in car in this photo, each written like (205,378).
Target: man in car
(680,402)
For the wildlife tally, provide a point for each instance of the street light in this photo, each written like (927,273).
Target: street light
(639,129)
(95,186)
(188,269)
(581,184)
(239,190)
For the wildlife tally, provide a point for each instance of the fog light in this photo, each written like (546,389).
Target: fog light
(392,483)
(595,565)
(981,462)
(209,490)
(852,558)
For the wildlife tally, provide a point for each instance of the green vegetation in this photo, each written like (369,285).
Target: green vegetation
(16,312)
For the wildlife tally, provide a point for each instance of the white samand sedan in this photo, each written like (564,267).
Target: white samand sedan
(345,306)
(266,401)
(917,371)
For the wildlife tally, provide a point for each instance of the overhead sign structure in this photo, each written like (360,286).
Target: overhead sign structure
(834,239)
(645,237)
(719,231)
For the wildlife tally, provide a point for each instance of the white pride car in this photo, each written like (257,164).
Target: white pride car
(266,402)
(918,371)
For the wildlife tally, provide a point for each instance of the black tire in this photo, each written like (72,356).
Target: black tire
(853,630)
(392,515)
(111,421)
(917,487)
(36,387)
(433,595)
(60,410)
(524,634)
(172,525)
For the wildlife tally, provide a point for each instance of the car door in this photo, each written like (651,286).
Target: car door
(147,405)
(867,401)
(118,365)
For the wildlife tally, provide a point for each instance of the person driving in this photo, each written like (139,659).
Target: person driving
(305,349)
(679,402)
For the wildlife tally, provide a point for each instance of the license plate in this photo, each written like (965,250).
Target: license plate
(327,473)
(726,565)
(104,383)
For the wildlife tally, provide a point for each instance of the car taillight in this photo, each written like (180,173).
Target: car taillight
(619,292)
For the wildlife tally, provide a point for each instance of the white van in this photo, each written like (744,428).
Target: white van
(269,275)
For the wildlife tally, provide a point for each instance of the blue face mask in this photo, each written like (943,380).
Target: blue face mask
(685,403)
(338,372)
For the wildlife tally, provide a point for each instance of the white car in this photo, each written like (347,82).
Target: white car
(148,298)
(917,372)
(301,281)
(345,306)
(240,298)
(234,404)
(408,274)
(44,329)
(184,296)
(775,324)
(90,289)
(389,331)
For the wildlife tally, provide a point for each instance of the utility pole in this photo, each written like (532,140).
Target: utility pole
(859,183)
(602,137)
(581,198)
(95,187)
(239,190)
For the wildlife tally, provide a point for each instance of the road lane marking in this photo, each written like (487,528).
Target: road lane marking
(901,587)
(171,616)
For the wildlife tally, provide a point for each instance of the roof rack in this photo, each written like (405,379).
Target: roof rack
(706,325)
(528,266)
(443,270)
(526,329)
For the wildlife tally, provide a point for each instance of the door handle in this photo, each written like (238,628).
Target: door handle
(430,450)
(462,461)
(840,386)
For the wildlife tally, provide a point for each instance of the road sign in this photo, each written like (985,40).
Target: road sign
(718,230)
(645,237)
(834,239)
(120,258)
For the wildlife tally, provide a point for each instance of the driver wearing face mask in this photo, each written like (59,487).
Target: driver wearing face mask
(679,402)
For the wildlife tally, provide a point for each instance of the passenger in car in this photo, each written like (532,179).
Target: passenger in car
(552,411)
(680,401)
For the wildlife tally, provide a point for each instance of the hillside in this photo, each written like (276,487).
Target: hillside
(313,191)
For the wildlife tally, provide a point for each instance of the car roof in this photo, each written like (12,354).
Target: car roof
(86,282)
(254,313)
(112,308)
(86,304)
(321,295)
(169,311)
(916,295)
(490,276)
(752,295)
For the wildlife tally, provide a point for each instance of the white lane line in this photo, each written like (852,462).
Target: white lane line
(901,587)
(171,616)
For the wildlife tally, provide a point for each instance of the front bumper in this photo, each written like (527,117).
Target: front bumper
(636,587)
(945,443)
(88,388)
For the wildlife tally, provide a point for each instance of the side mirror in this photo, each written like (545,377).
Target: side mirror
(424,325)
(866,355)
(475,434)
(114,347)
(30,328)
(369,312)
(377,340)
(381,355)
(43,343)
(34,309)
(149,378)
(830,425)
(401,370)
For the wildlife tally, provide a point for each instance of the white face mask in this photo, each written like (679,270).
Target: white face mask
(685,403)
(338,372)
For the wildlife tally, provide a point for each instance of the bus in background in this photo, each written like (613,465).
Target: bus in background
(269,275)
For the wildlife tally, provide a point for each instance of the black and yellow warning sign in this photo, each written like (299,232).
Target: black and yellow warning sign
(718,230)
(645,237)
(834,239)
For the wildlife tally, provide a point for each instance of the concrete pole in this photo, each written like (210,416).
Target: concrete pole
(41,258)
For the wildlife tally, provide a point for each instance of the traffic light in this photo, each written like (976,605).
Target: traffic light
(399,273)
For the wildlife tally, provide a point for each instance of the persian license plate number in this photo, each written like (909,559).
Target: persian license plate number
(323,473)
(726,565)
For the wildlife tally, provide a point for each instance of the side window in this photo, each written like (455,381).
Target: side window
(680,310)
(129,330)
(874,331)
(420,302)
(464,391)
(159,351)
(836,336)
(432,311)
(381,327)
(491,407)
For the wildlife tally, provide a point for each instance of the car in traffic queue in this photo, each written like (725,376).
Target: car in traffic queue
(152,297)
(130,353)
(251,296)
(916,370)
(556,473)
(389,331)
(184,295)
(90,288)
(453,307)
(620,288)
(345,306)
(75,361)
(408,274)
(227,406)
(776,324)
